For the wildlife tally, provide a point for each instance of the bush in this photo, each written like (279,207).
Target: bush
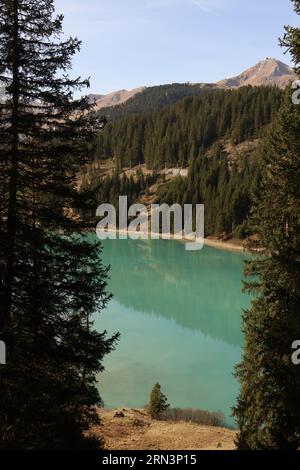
(197,416)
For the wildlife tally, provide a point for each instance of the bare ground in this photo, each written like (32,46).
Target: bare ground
(137,431)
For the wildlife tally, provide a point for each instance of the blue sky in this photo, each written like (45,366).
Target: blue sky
(131,43)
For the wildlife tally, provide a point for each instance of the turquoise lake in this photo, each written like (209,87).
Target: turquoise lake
(179,315)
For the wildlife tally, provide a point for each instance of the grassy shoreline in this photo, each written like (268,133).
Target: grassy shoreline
(133,429)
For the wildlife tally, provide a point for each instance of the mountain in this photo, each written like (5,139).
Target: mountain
(267,72)
(154,98)
(148,99)
(115,98)
(93,98)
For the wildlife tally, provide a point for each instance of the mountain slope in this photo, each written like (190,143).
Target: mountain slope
(169,136)
(215,135)
(115,98)
(267,72)
(154,98)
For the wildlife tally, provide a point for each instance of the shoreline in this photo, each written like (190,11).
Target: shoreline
(230,245)
(233,245)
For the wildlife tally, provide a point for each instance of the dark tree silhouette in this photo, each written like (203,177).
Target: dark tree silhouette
(52,278)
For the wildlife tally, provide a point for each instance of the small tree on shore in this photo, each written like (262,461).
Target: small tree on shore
(158,402)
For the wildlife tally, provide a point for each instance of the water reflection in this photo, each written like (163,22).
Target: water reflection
(200,291)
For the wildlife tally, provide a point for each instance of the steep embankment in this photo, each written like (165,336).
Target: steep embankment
(135,430)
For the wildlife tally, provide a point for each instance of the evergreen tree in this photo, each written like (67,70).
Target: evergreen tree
(268,411)
(52,277)
(158,402)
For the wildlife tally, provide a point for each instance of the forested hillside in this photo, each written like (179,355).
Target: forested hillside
(154,98)
(226,188)
(174,135)
(216,136)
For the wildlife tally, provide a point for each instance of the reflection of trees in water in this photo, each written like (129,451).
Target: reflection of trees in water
(199,290)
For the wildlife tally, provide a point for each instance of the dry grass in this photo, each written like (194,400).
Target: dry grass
(137,431)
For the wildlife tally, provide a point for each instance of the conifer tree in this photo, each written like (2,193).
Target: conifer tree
(268,412)
(52,276)
(158,402)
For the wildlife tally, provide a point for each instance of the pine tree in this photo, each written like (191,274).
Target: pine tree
(268,411)
(158,402)
(53,280)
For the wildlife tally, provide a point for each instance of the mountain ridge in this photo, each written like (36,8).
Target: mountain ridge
(268,72)
(114,98)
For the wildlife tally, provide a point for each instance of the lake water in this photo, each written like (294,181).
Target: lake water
(179,315)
